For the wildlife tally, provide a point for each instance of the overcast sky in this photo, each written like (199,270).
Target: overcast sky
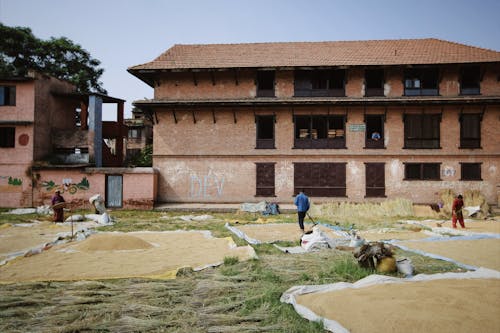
(124,33)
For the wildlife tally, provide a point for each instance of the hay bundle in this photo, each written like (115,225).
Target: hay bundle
(471,198)
(348,210)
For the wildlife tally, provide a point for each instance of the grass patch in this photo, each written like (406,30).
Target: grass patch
(231,261)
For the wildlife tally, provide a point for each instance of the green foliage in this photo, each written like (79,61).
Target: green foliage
(21,51)
(144,159)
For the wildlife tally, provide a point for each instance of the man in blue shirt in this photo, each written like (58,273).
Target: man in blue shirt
(302,203)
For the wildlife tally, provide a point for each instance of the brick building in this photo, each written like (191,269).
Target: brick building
(247,122)
(140,133)
(52,137)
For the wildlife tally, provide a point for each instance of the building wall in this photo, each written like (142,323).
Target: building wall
(15,182)
(228,85)
(215,162)
(139,186)
(51,112)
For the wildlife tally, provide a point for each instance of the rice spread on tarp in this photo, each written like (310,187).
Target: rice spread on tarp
(121,255)
(19,239)
(431,306)
(471,226)
(442,302)
(477,252)
(379,235)
(269,233)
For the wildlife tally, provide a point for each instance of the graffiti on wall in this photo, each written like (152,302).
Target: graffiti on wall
(66,185)
(10,184)
(448,171)
(206,186)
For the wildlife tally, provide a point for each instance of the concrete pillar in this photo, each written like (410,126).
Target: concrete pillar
(95,130)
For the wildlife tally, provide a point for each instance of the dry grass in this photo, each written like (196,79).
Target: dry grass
(235,297)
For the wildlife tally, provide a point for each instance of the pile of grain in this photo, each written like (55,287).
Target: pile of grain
(113,242)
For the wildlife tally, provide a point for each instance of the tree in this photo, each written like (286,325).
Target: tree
(21,51)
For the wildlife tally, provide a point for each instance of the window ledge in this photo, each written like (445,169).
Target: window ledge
(422,148)
(426,180)
(471,180)
(470,147)
(375,147)
(376,196)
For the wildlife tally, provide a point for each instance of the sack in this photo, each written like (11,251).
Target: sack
(405,267)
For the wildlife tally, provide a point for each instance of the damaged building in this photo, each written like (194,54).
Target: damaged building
(53,137)
(350,120)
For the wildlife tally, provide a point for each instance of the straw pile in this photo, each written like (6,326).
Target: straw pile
(348,210)
(471,198)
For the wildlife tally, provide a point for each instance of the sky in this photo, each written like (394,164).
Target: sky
(124,33)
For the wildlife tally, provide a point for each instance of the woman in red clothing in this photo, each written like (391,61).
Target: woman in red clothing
(456,210)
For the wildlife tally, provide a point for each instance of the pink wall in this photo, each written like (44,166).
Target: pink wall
(138,186)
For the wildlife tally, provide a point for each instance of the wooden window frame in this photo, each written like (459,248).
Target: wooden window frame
(374,191)
(422,171)
(264,143)
(466,175)
(320,83)
(7,137)
(321,179)
(322,132)
(415,79)
(9,95)
(371,91)
(369,142)
(262,188)
(466,88)
(471,142)
(262,77)
(425,139)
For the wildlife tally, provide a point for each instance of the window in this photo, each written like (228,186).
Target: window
(134,133)
(422,171)
(265,132)
(421,82)
(7,137)
(319,132)
(375,179)
(320,179)
(470,171)
(470,77)
(470,130)
(7,95)
(374,82)
(422,131)
(374,131)
(265,84)
(265,179)
(319,83)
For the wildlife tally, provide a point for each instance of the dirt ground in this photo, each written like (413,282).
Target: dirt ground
(468,305)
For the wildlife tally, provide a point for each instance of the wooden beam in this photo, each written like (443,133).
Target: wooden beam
(194,117)
(173,114)
(213,116)
(234,116)
(195,81)
(236,77)
(212,76)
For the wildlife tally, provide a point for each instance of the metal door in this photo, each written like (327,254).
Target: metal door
(114,190)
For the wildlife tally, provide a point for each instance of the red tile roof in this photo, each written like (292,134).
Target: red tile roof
(305,54)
